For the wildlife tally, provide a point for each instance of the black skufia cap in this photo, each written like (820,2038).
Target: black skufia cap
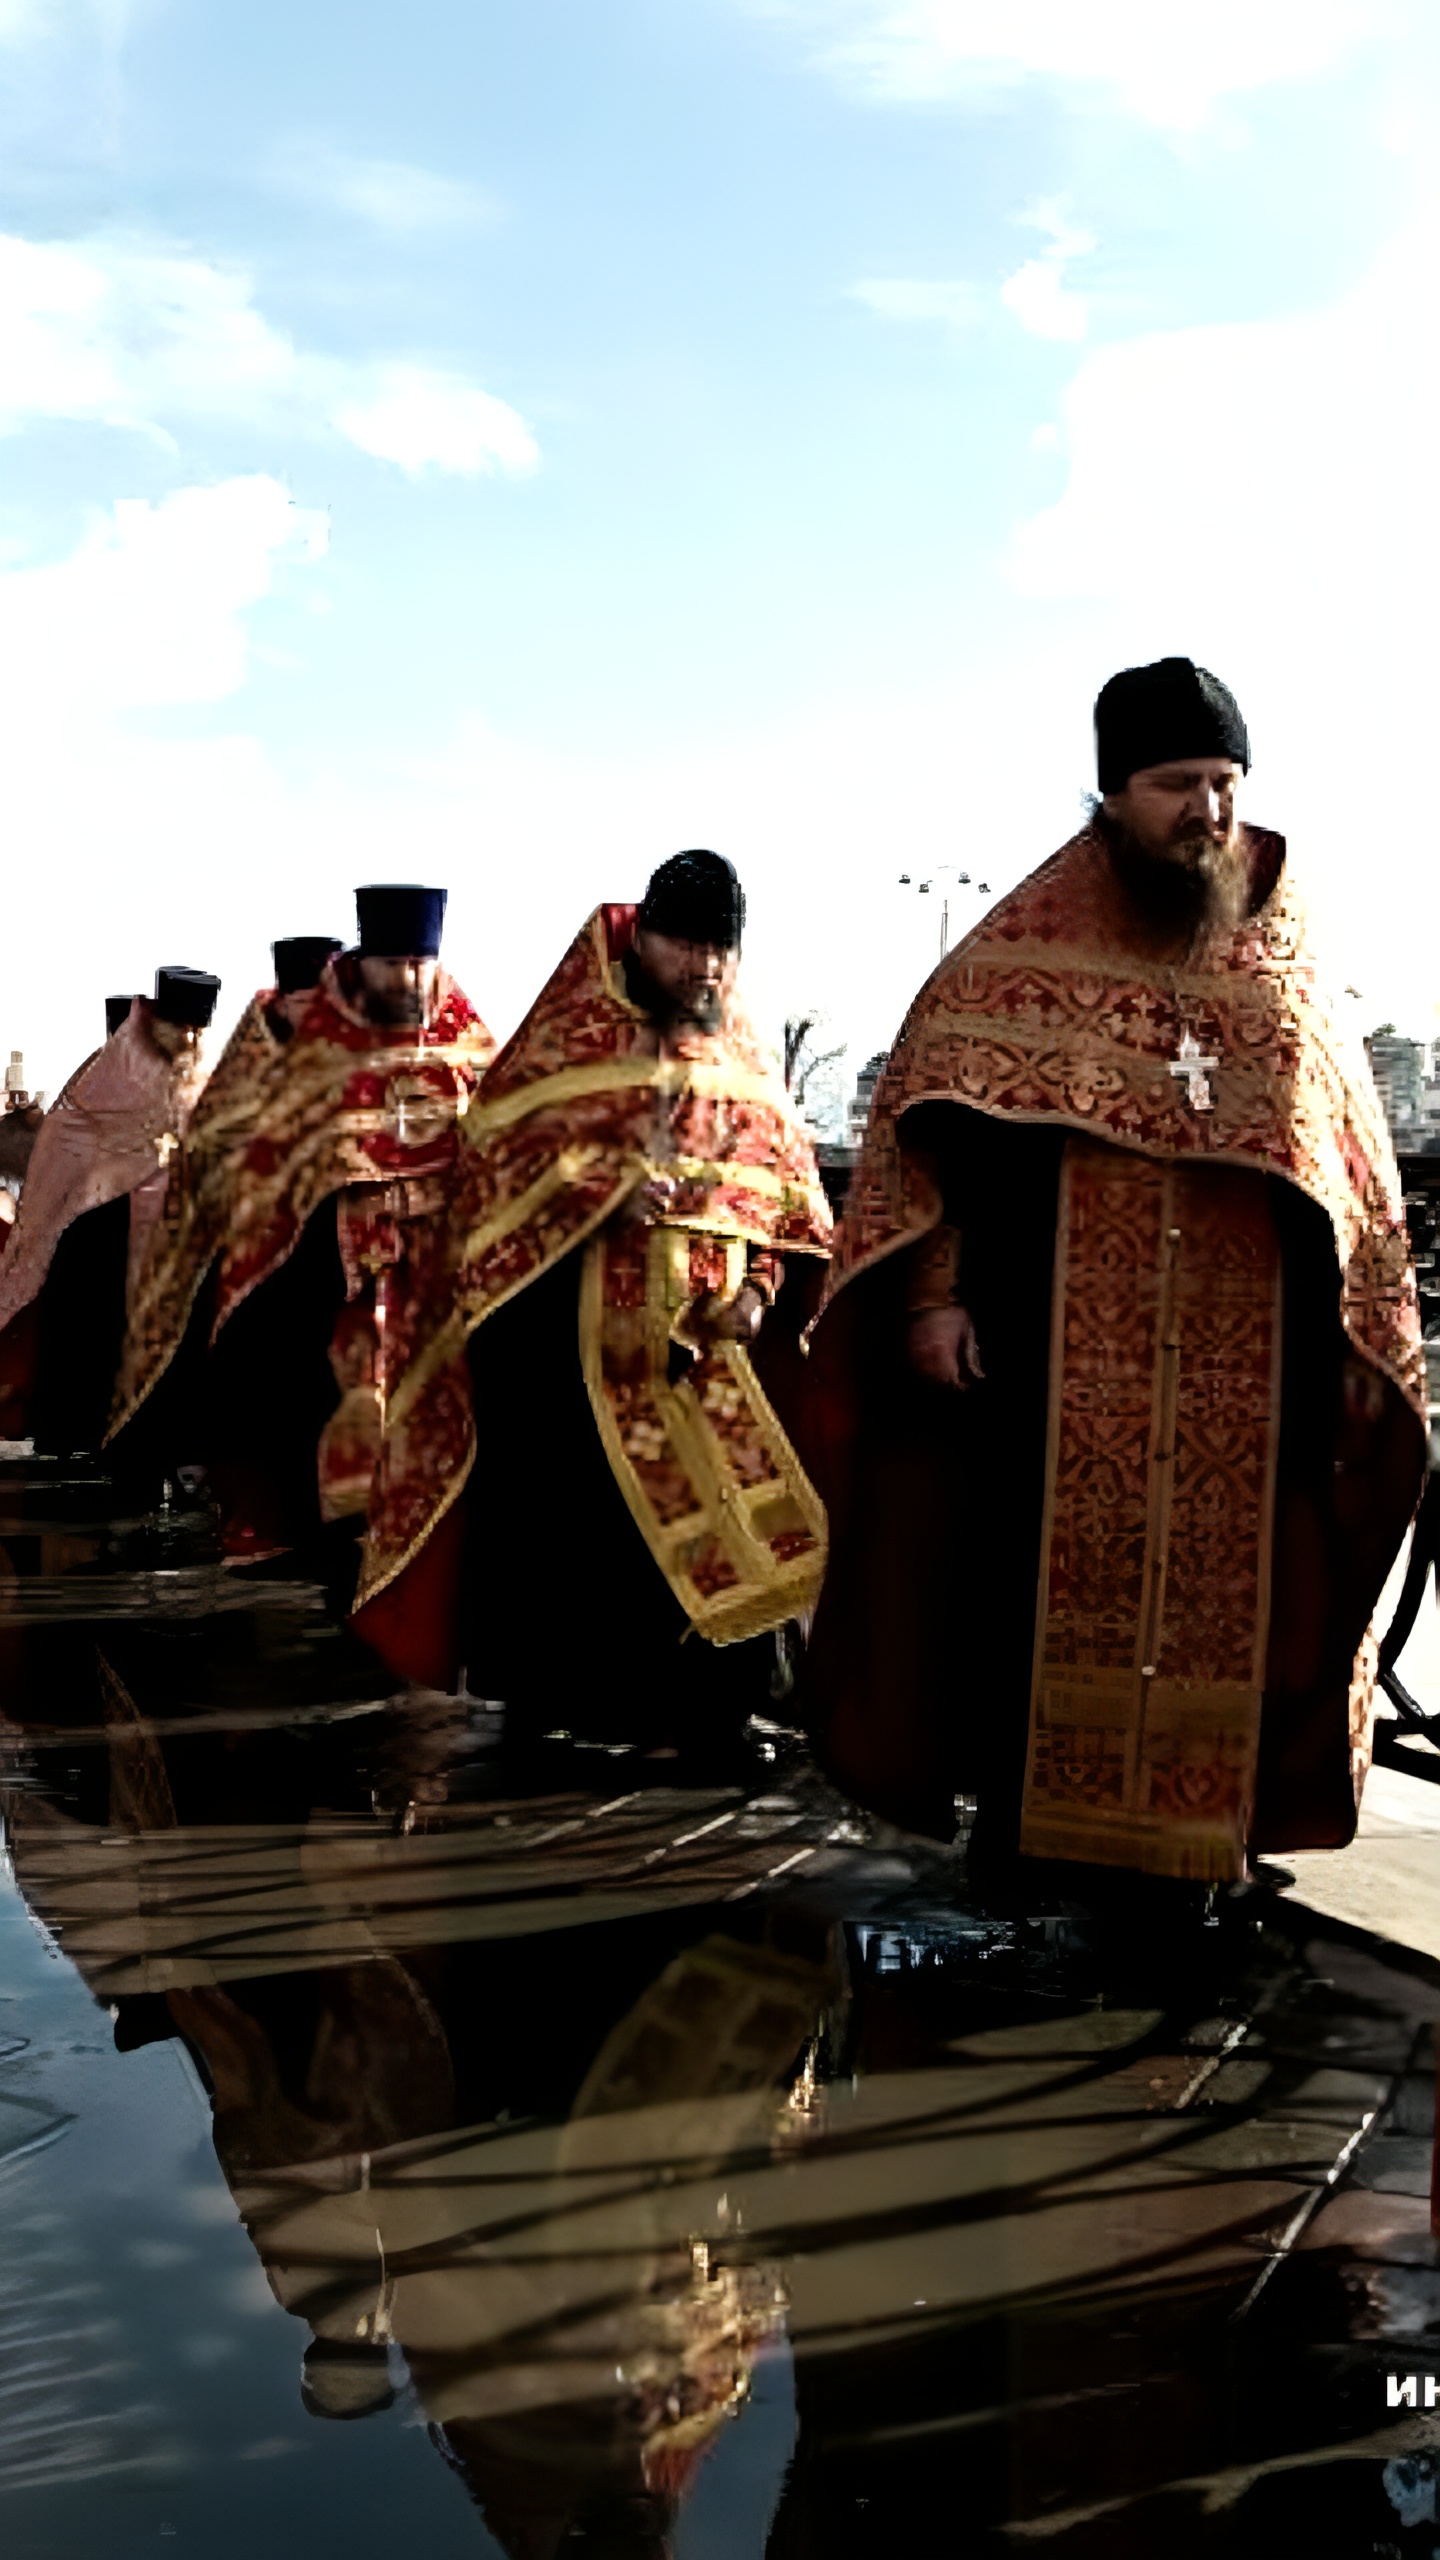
(299,960)
(117,1010)
(341,2379)
(1162,713)
(697,897)
(398,923)
(185,996)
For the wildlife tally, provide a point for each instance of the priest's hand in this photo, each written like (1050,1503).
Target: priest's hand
(739,1319)
(943,1347)
(650,1201)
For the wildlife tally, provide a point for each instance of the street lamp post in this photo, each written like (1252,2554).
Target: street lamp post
(961,880)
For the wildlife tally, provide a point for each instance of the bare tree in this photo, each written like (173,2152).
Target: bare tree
(805,1063)
(798,1028)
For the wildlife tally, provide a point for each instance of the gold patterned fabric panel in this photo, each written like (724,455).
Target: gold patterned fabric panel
(282,1129)
(1049,1011)
(715,1487)
(1160,1477)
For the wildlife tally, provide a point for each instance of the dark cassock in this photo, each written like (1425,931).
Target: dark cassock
(94,1188)
(586,1496)
(1118,1382)
(165,1428)
(256,1338)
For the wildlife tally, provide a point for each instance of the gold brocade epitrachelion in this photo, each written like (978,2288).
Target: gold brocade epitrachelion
(1160,1484)
(711,1479)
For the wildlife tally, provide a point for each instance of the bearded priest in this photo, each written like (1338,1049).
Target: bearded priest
(581,1466)
(257,1325)
(94,1186)
(1120,1370)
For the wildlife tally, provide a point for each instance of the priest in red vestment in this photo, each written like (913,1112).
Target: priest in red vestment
(257,1325)
(235,1089)
(1120,1370)
(94,1186)
(582,1468)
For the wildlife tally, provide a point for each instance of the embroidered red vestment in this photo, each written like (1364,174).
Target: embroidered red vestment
(111,1129)
(563,1134)
(344,1108)
(1154,1598)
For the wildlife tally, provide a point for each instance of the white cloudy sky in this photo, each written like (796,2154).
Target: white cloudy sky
(501,441)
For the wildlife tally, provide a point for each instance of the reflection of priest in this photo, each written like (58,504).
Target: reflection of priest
(632,1186)
(1120,1367)
(290,1220)
(579,2306)
(94,1187)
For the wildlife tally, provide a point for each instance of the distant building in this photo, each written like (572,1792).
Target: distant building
(836,1158)
(864,1094)
(20,1118)
(1399,1066)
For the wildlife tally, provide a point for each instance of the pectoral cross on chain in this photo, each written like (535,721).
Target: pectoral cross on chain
(1189,1063)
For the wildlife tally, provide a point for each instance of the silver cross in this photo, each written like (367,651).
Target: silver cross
(1195,1069)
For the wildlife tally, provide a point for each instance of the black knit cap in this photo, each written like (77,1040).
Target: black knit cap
(400,923)
(117,1010)
(697,897)
(1162,713)
(299,960)
(185,996)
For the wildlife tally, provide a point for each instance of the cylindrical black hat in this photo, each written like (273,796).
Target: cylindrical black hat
(117,1010)
(185,996)
(1161,713)
(344,2379)
(400,923)
(697,897)
(299,960)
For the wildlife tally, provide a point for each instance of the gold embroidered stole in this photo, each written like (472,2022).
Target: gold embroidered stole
(1154,1603)
(712,1482)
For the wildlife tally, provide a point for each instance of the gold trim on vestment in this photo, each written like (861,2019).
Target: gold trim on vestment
(1047,1014)
(297,1079)
(449,1339)
(729,1083)
(729,1518)
(261,1196)
(563,1173)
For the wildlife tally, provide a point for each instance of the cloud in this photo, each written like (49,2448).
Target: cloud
(1262,496)
(64,92)
(909,298)
(1037,292)
(143,839)
(1168,64)
(153,338)
(391,194)
(26,24)
(201,848)
(429,421)
(147,610)
(130,847)
(1292,457)
(1037,295)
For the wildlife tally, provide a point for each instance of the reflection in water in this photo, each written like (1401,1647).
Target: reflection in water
(558,2100)
(564,2320)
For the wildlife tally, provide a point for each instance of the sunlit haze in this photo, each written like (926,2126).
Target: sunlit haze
(499,445)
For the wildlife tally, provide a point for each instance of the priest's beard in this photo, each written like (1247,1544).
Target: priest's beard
(702,1009)
(1198,884)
